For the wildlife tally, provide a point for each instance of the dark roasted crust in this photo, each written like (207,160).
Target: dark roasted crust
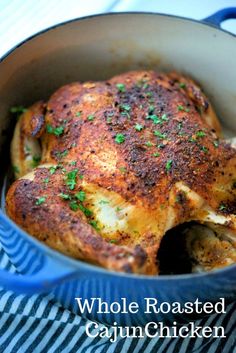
(190,164)
(65,230)
(34,121)
(130,168)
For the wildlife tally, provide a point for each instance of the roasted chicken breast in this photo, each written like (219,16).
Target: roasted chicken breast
(120,163)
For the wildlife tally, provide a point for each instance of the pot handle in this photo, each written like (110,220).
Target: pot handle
(35,284)
(218,17)
(44,273)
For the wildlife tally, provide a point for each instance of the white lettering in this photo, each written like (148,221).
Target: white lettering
(183,328)
(85,306)
(176,308)
(133,307)
(206,330)
(162,307)
(208,308)
(217,329)
(88,326)
(151,303)
(188,308)
(148,327)
(221,304)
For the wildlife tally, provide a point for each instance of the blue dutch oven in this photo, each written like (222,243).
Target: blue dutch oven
(95,48)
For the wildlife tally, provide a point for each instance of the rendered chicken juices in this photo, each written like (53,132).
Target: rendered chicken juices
(119,163)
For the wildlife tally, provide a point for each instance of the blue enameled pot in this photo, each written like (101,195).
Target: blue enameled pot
(93,48)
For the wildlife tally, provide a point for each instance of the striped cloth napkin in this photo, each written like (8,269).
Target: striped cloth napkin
(39,325)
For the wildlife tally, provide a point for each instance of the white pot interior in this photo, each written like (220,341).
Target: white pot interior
(98,47)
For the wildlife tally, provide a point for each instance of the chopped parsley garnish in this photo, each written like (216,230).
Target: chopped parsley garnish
(154,118)
(191,139)
(182,108)
(27,149)
(156,154)
(72,163)
(149,94)
(120,138)
(18,110)
(94,224)
(118,209)
(16,169)
(46,180)
(204,149)
(222,207)
(158,120)
(149,144)
(113,241)
(36,160)
(78,114)
(151,109)
(81,196)
(169,165)
(65,196)
(40,200)
(125,107)
(85,210)
(164,117)
(138,127)
(182,85)
(121,87)
(146,85)
(216,143)
(200,133)
(109,120)
(57,131)
(103,202)
(123,169)
(71,179)
(60,155)
(53,169)
(180,125)
(159,134)
(90,117)
(74,205)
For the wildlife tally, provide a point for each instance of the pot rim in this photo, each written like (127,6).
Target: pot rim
(79,264)
(107,14)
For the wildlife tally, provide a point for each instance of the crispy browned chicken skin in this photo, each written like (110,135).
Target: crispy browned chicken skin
(122,162)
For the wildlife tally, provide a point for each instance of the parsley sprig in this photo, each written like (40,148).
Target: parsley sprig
(159,134)
(57,131)
(120,138)
(71,179)
(121,87)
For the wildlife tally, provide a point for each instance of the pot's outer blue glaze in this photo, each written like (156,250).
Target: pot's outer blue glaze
(44,270)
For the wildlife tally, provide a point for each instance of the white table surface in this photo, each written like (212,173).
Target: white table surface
(21,18)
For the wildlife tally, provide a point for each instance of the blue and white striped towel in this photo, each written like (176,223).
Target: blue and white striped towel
(36,324)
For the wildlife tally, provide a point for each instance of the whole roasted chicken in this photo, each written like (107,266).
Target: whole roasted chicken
(105,169)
